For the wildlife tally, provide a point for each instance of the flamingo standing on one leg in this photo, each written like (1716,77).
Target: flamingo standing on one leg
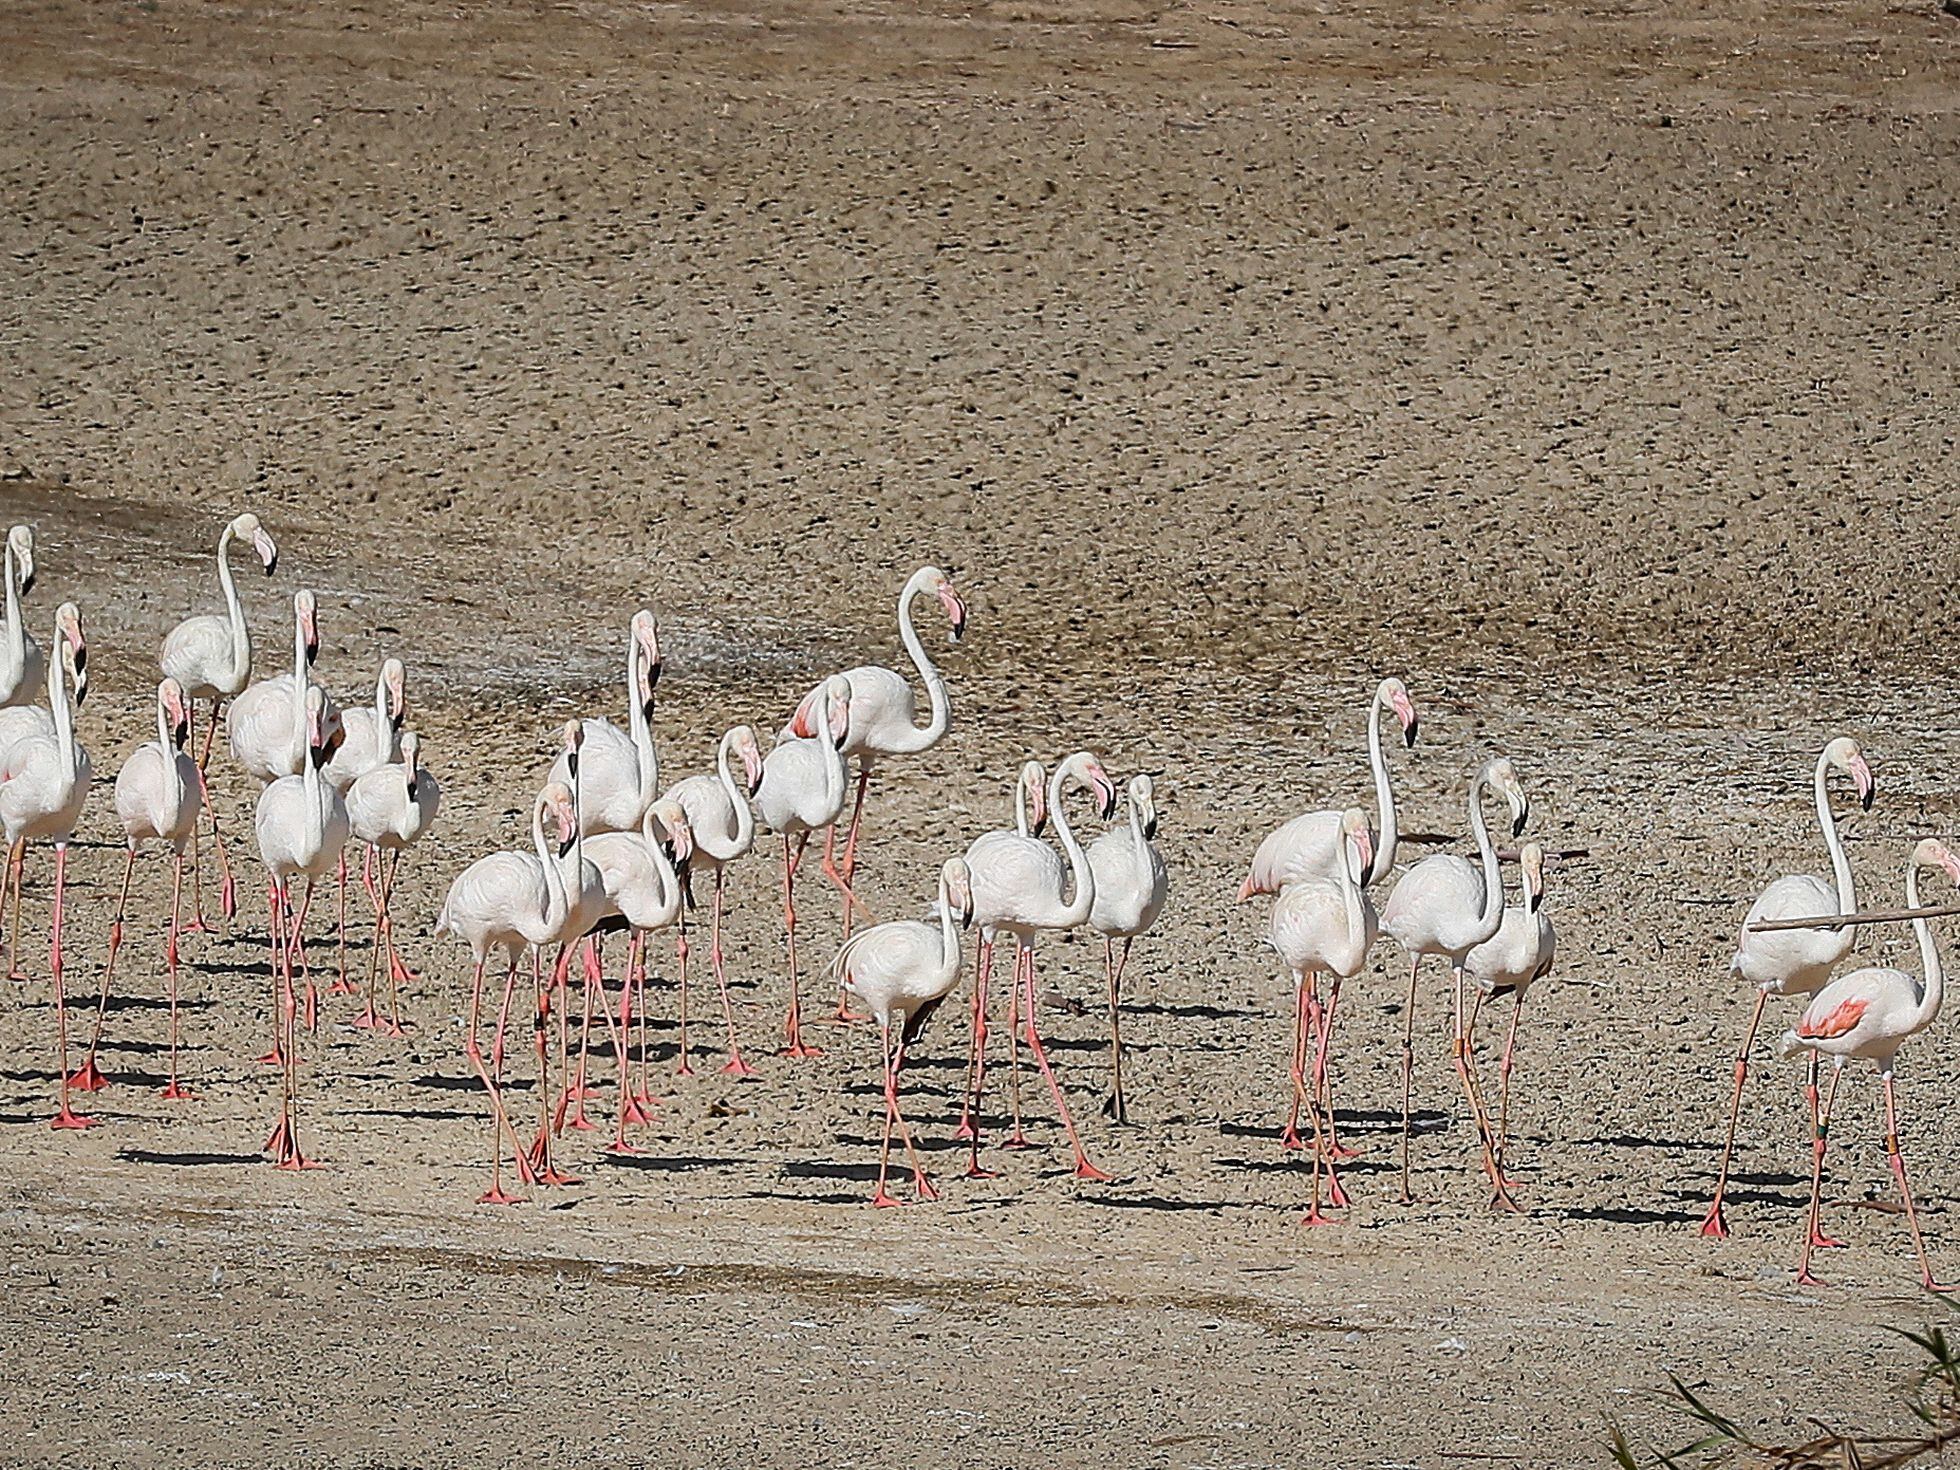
(802,791)
(1019,887)
(1520,952)
(211,657)
(301,825)
(156,800)
(723,826)
(513,901)
(1447,906)
(618,770)
(1324,927)
(1131,886)
(44,780)
(902,970)
(1871,1013)
(24,722)
(884,715)
(23,667)
(390,808)
(1795,961)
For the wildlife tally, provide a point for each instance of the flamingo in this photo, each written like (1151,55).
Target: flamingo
(23,667)
(24,722)
(1322,926)
(1445,906)
(645,890)
(619,773)
(156,800)
(211,657)
(902,970)
(302,825)
(513,901)
(1018,887)
(1795,961)
(884,714)
(1311,844)
(723,828)
(266,724)
(44,780)
(1131,886)
(802,791)
(390,809)
(371,738)
(1031,799)
(1871,1013)
(1520,952)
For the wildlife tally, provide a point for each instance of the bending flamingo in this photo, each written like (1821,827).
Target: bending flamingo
(902,970)
(618,771)
(156,800)
(1871,1013)
(1447,906)
(1795,961)
(390,809)
(211,657)
(23,667)
(1131,886)
(1520,952)
(723,826)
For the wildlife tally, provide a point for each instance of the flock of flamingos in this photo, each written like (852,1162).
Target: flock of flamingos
(611,850)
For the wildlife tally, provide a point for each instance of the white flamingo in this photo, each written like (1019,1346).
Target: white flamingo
(1324,926)
(644,889)
(156,801)
(1507,963)
(1310,845)
(302,825)
(373,733)
(902,970)
(802,791)
(1446,905)
(210,655)
(23,667)
(44,780)
(22,723)
(1795,961)
(266,724)
(723,826)
(391,808)
(514,902)
(884,713)
(1019,888)
(619,772)
(1131,886)
(1871,1013)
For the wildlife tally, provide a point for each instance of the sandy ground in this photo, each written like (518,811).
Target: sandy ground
(1590,368)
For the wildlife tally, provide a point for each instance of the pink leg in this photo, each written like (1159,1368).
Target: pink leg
(1017,1136)
(793,1023)
(16,864)
(1408,1071)
(1460,1047)
(296,952)
(340,985)
(370,1019)
(735,1066)
(1323,1083)
(67,1117)
(1289,1137)
(495,1194)
(275,926)
(227,891)
(1820,1134)
(1712,1224)
(1083,1168)
(969,1128)
(174,1089)
(1818,1237)
(1118,1106)
(1898,1163)
(684,1069)
(844,879)
(882,1197)
(1504,1083)
(88,1077)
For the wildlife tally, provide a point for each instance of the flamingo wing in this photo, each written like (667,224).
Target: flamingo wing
(1821,1025)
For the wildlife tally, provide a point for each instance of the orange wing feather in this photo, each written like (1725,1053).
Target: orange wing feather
(1835,1022)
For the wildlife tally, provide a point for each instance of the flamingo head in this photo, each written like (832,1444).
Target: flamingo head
(646,638)
(1090,773)
(1502,777)
(837,706)
(1932,853)
(942,588)
(306,615)
(1143,801)
(68,631)
(956,890)
(247,528)
(742,740)
(1395,694)
(20,541)
(670,817)
(574,736)
(1531,863)
(1356,836)
(1844,753)
(412,760)
(556,800)
(323,736)
(1034,790)
(394,683)
(176,713)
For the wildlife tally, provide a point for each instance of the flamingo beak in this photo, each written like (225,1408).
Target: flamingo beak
(752,767)
(268,553)
(1105,794)
(1867,785)
(955,609)
(1519,816)
(26,580)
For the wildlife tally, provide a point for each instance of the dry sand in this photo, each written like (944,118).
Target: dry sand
(1589,367)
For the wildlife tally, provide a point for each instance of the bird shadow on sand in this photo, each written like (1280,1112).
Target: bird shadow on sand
(1190,1012)
(666,1163)
(184,1160)
(438,1115)
(798,1197)
(1626,1215)
(443,1082)
(1153,1202)
(261,967)
(1635,1140)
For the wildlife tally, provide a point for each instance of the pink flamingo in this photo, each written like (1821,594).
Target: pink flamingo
(44,780)
(619,771)
(723,825)
(1518,954)
(902,970)
(391,808)
(266,724)
(156,800)
(23,667)
(1131,886)
(19,723)
(1795,961)
(211,657)
(1018,890)
(1322,926)
(1871,1013)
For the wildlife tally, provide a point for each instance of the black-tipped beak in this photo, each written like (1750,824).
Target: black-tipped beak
(1409,735)
(565,847)
(312,652)
(571,764)
(1150,829)
(81,662)
(653,674)
(1536,899)
(966,919)
(411,790)
(180,733)
(1517,822)
(1871,795)
(959,627)
(27,584)
(272,564)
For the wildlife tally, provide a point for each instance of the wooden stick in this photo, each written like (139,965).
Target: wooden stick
(1867,916)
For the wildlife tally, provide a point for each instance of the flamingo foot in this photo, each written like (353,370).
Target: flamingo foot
(368,1020)
(1819,1241)
(1337,1197)
(737,1066)
(1086,1170)
(1713,1225)
(296,1161)
(1804,1278)
(228,899)
(683,1070)
(845,1016)
(798,1049)
(1316,1216)
(922,1186)
(176,1092)
(974,1171)
(1931,1285)
(200,925)
(87,1077)
(67,1119)
(1340,1153)
(341,987)
(273,1058)
(1290,1139)
(966,1132)
(885,1201)
(631,1112)
(496,1196)
(1017,1140)
(1503,1204)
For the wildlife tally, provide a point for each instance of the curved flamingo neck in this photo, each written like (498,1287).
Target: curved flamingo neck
(834,773)
(383,724)
(737,798)
(173,779)
(670,878)
(1384,861)
(923,737)
(949,935)
(645,759)
(1077,909)
(1493,911)
(1929,956)
(1357,924)
(316,807)
(241,637)
(1840,864)
(59,708)
(16,635)
(554,883)
(1142,842)
(300,680)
